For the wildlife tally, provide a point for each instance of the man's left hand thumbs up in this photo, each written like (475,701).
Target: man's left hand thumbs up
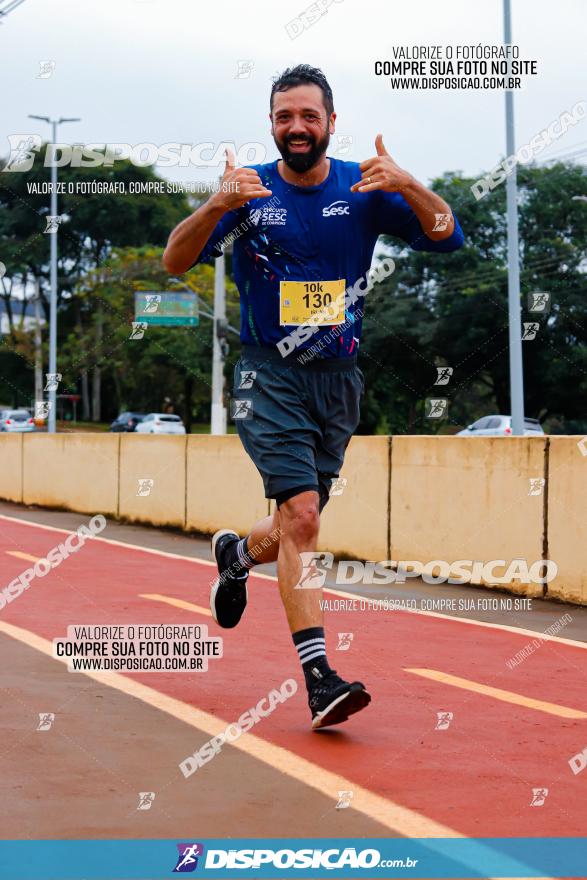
(381,172)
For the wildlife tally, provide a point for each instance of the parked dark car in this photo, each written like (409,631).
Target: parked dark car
(126,421)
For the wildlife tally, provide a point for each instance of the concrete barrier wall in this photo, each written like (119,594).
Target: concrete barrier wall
(11,467)
(567,516)
(75,471)
(405,498)
(354,524)
(152,485)
(456,498)
(224,489)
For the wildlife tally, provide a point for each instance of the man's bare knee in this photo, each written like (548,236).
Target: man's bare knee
(300,518)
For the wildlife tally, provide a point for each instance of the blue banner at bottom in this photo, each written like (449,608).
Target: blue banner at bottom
(303,858)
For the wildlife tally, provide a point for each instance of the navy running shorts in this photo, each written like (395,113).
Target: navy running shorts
(295,420)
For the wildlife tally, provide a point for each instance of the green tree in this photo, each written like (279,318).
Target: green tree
(168,362)
(93,225)
(452,309)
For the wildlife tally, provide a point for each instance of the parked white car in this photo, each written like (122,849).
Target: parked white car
(499,426)
(160,423)
(16,421)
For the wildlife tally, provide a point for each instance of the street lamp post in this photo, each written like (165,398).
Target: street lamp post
(220,330)
(51,425)
(515,320)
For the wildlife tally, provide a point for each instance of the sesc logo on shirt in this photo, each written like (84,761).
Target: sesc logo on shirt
(336,209)
(269,216)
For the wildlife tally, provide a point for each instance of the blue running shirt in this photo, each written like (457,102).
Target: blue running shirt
(311,234)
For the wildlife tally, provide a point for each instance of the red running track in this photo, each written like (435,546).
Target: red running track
(476,777)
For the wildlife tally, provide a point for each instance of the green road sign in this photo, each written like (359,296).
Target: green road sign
(167,308)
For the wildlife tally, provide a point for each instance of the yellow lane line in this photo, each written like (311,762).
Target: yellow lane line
(20,555)
(177,603)
(499,694)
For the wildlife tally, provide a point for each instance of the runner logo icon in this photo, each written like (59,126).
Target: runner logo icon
(187,860)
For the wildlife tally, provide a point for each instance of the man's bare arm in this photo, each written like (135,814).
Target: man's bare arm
(381,172)
(188,239)
(427,206)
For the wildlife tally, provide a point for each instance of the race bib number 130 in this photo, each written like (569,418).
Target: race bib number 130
(318,302)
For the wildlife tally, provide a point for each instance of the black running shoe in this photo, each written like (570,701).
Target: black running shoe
(332,700)
(228,596)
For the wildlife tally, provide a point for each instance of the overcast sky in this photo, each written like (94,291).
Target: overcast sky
(165,70)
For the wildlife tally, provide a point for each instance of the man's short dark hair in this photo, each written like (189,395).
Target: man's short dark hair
(301,75)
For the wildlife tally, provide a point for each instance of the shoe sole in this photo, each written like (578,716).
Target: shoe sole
(340,708)
(215,538)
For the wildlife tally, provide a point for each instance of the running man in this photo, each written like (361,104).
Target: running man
(304,230)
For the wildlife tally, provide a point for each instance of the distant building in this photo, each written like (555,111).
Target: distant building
(18,305)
